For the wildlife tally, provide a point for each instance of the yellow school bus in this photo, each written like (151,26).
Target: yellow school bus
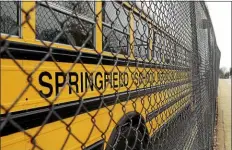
(87,75)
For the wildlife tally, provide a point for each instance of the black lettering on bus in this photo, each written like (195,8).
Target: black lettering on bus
(148,78)
(59,83)
(140,78)
(99,81)
(136,81)
(151,79)
(115,79)
(107,79)
(88,81)
(82,85)
(45,84)
(73,81)
(160,76)
(126,79)
(121,79)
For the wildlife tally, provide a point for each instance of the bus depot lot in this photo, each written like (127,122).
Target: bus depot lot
(224,115)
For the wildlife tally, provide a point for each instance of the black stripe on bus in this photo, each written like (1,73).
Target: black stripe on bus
(99,145)
(34,52)
(171,120)
(35,117)
(156,112)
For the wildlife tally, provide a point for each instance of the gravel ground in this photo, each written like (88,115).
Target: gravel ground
(224,115)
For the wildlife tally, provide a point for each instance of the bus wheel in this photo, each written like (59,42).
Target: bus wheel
(129,138)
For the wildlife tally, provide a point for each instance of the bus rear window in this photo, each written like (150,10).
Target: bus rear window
(9,18)
(66,23)
(115,28)
(141,31)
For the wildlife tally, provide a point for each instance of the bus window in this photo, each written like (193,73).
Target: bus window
(156,49)
(168,50)
(78,29)
(115,28)
(9,17)
(180,55)
(163,50)
(141,38)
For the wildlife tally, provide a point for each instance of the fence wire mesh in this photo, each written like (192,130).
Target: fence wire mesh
(107,75)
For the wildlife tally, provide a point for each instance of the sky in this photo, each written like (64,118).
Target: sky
(220,13)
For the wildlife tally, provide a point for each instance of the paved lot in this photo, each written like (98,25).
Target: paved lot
(224,115)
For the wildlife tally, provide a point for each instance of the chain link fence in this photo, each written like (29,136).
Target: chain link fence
(107,75)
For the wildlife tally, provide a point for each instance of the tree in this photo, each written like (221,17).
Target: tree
(221,73)
(227,74)
(224,70)
(224,73)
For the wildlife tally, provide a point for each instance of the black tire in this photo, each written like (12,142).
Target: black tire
(131,135)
